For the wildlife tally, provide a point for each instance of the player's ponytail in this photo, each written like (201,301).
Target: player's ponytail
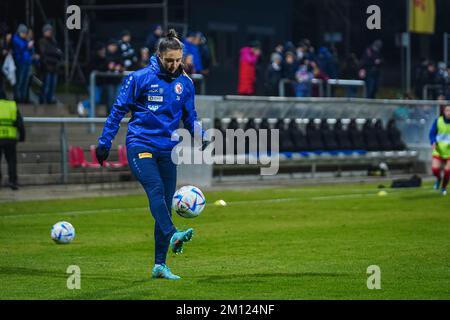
(170,42)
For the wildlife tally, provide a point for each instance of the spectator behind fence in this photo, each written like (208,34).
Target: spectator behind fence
(115,66)
(153,38)
(443,78)
(320,75)
(144,58)
(430,77)
(50,57)
(350,71)
(304,77)
(273,75)
(23,51)
(290,67)
(35,61)
(247,68)
(98,63)
(327,62)
(419,77)
(371,68)
(12,130)
(129,57)
(205,53)
(191,46)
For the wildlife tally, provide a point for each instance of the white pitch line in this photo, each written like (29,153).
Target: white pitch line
(73,212)
(82,212)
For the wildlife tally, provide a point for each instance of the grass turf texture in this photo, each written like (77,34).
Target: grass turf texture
(282,243)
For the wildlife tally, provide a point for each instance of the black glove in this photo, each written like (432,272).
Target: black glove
(102,154)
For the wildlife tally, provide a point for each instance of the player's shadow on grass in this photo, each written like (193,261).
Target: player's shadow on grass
(23,271)
(259,277)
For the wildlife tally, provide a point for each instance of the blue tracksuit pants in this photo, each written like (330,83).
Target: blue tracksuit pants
(158,175)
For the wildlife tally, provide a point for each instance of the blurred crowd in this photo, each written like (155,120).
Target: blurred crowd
(21,57)
(22,60)
(432,81)
(300,68)
(297,65)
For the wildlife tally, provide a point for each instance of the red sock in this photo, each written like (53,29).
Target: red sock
(446,178)
(437,172)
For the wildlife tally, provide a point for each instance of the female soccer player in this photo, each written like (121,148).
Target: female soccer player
(440,141)
(158,96)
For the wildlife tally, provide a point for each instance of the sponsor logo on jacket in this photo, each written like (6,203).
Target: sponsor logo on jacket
(155,98)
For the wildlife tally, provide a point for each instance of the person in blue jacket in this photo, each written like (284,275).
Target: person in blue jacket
(23,50)
(158,97)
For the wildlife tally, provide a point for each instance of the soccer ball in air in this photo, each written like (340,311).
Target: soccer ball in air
(188,202)
(62,232)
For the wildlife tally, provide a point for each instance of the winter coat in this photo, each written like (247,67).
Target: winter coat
(247,71)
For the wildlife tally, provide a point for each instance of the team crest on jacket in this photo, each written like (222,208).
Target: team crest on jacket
(178,88)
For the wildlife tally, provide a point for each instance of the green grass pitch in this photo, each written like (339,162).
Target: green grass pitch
(313,242)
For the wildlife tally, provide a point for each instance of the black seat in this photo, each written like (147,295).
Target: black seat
(328,136)
(286,144)
(233,125)
(265,125)
(298,138)
(356,136)
(218,126)
(314,137)
(370,136)
(382,136)
(250,125)
(342,136)
(395,136)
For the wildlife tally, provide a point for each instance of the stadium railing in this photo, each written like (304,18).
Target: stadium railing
(428,87)
(329,84)
(63,139)
(346,83)
(282,86)
(43,157)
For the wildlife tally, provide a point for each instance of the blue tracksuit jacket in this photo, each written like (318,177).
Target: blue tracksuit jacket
(157,103)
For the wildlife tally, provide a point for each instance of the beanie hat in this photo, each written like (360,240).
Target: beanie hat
(22,28)
(47,27)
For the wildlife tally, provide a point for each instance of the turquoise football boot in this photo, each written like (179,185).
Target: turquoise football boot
(178,238)
(163,271)
(444,191)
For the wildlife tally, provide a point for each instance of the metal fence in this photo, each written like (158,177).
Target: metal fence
(320,84)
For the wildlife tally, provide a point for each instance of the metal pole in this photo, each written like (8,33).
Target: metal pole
(446,35)
(32,14)
(408,50)
(165,14)
(281,88)
(66,48)
(203,86)
(27,12)
(63,148)
(92,79)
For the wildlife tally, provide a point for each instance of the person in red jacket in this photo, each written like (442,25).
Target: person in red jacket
(247,68)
